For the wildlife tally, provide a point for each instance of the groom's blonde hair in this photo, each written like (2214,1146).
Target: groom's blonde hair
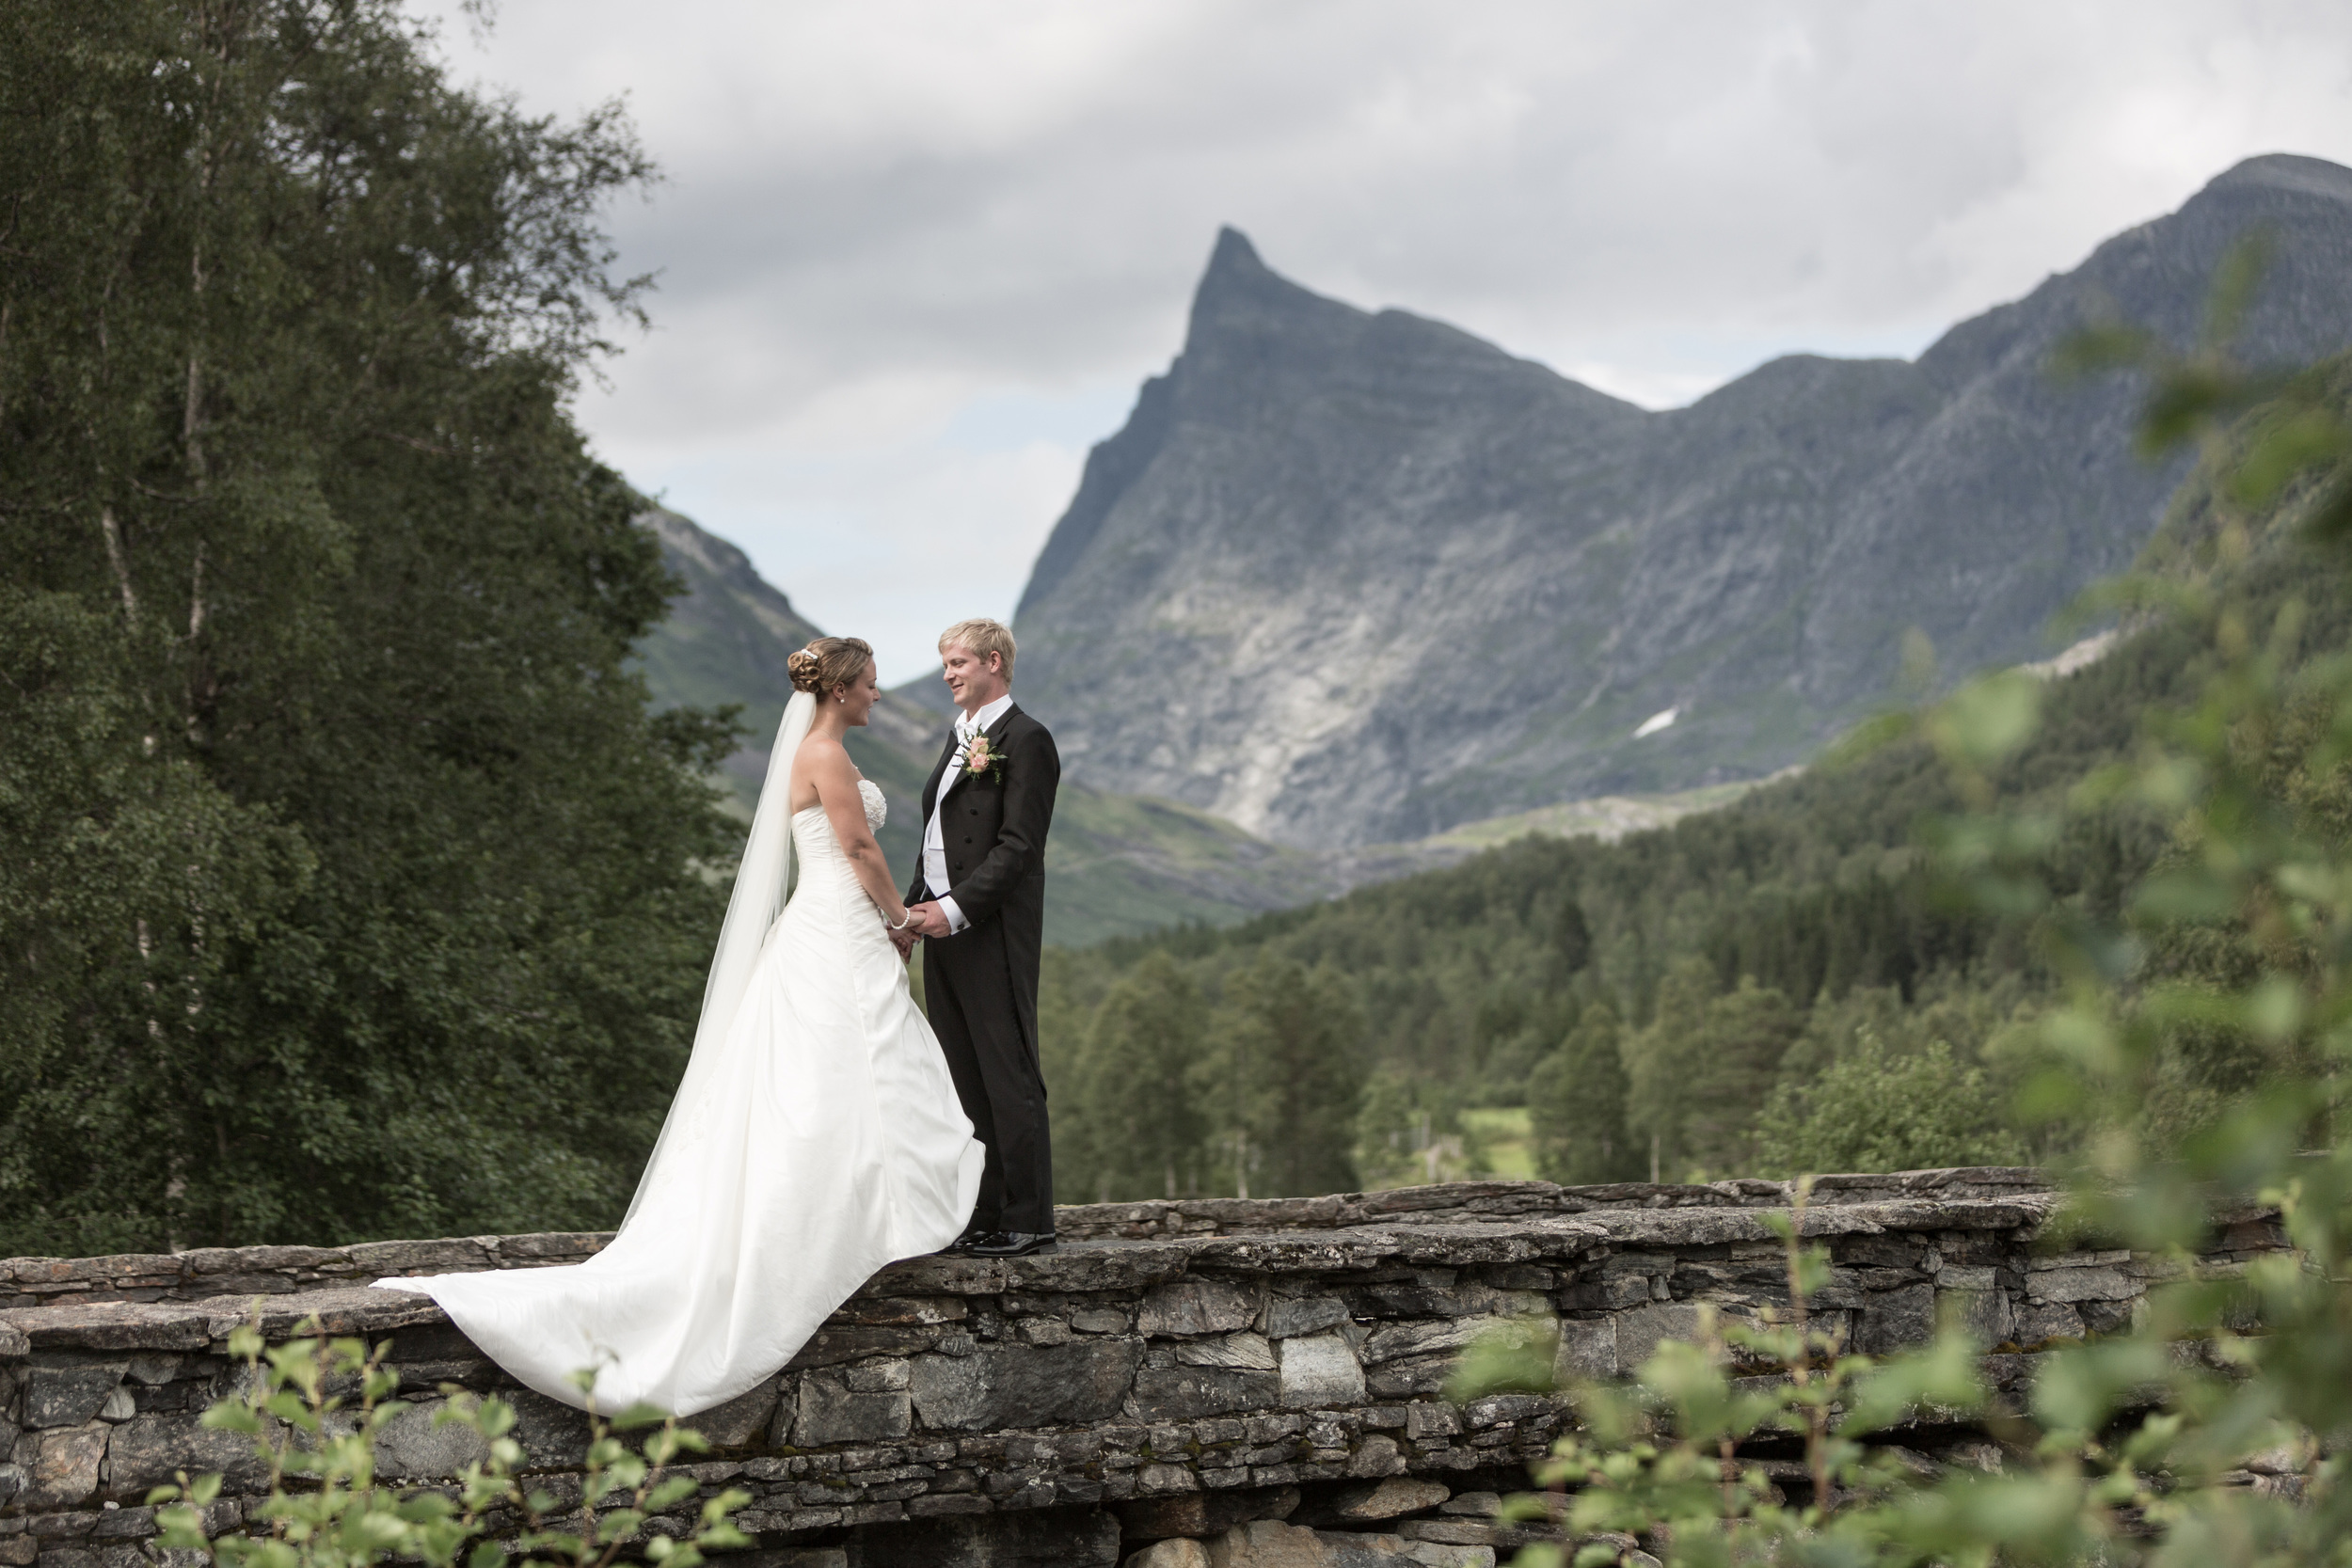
(983,637)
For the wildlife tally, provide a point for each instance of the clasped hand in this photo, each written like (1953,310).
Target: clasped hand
(924,920)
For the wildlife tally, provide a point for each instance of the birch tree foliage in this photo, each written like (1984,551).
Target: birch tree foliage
(351,888)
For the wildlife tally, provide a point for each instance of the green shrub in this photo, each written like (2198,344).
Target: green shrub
(316,1408)
(1876,1109)
(2200,1042)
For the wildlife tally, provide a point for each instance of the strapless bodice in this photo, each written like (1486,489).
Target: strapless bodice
(877,809)
(815,843)
(813,1143)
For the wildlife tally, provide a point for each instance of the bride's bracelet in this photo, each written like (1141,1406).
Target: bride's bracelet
(901,925)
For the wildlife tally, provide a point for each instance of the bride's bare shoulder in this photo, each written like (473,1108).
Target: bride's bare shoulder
(821,765)
(821,756)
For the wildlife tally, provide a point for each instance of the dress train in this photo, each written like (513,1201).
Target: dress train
(822,1141)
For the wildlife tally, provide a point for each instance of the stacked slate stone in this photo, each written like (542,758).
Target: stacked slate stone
(1242,1385)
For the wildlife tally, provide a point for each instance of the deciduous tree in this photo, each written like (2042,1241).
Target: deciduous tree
(352,889)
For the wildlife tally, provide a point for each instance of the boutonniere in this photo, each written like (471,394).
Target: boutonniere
(977,757)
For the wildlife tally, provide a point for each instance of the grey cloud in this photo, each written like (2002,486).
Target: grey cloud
(881,212)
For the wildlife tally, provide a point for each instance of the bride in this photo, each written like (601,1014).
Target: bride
(816,1135)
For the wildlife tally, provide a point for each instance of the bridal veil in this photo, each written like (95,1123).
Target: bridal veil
(815,1138)
(763,881)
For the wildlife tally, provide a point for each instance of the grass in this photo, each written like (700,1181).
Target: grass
(1605,817)
(1504,1135)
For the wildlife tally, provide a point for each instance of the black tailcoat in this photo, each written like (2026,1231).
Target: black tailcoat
(981,984)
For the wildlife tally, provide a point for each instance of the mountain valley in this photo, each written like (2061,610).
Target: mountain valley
(1434,597)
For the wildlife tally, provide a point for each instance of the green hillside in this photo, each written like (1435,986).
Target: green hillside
(727,637)
(1124,864)
(725,640)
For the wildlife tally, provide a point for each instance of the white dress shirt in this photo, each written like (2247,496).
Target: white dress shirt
(934,832)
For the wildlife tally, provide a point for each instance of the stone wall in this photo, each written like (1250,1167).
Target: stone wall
(1264,1375)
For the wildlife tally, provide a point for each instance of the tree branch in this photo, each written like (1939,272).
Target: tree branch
(425,447)
(119,560)
(196,595)
(152,494)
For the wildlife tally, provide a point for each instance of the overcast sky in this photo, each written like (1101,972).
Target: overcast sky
(916,255)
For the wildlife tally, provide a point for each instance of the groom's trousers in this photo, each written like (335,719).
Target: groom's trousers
(997,1076)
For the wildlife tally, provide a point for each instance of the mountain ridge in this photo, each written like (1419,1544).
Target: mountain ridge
(1350,576)
(1116,864)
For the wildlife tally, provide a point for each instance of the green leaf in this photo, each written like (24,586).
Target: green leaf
(2190,895)
(376,1533)
(2080,1387)
(2110,347)
(2308,438)
(672,1489)
(292,1409)
(1513,1355)
(181,1527)
(232,1416)
(1945,1378)
(1987,720)
(2235,282)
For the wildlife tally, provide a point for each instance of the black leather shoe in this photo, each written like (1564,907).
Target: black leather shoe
(1010,1244)
(963,1243)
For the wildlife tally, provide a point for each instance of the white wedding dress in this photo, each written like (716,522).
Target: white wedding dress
(816,1137)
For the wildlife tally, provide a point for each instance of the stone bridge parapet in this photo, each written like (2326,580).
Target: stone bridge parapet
(1176,1371)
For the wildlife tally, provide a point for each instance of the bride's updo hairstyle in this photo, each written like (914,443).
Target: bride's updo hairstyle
(829,663)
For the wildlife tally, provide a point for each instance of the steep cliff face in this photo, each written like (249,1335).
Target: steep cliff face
(1352,578)
(725,640)
(726,637)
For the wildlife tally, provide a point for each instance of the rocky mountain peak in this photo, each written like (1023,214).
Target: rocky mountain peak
(1233,263)
(1348,578)
(2286,171)
(1243,306)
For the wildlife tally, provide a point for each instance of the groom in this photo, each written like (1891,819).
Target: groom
(979,900)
